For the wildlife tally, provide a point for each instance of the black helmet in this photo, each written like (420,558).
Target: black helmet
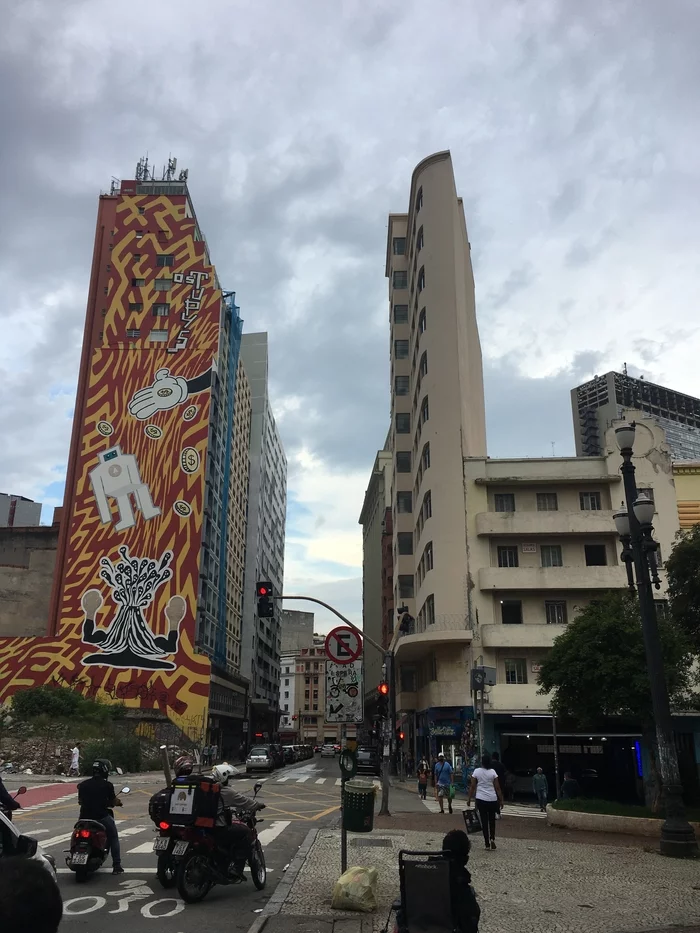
(101,768)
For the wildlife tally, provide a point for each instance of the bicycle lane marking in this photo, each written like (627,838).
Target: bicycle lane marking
(133,891)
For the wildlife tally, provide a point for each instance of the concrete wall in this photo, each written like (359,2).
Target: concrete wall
(27,562)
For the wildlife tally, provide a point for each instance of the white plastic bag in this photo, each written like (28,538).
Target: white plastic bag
(356,889)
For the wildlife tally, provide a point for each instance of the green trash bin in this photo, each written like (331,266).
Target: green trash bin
(358,806)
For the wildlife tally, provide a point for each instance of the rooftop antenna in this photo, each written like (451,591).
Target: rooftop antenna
(553,445)
(169,173)
(183,175)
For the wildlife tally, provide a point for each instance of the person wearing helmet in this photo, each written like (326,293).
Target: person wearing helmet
(96,797)
(234,837)
(183,766)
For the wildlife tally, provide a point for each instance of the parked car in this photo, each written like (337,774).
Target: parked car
(13,842)
(278,755)
(260,758)
(290,755)
(317,749)
(328,751)
(337,747)
(367,760)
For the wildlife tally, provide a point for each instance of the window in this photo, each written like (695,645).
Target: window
(403,423)
(286,694)
(511,612)
(590,501)
(428,557)
(133,334)
(401,349)
(142,210)
(507,556)
(425,457)
(404,502)
(400,314)
(315,706)
(138,283)
(423,370)
(316,680)
(286,707)
(595,555)
(419,240)
(165,259)
(405,586)
(504,502)
(661,608)
(547,502)
(400,279)
(161,310)
(162,285)
(424,411)
(648,492)
(158,336)
(421,279)
(315,694)
(139,234)
(286,670)
(427,506)
(306,695)
(137,257)
(399,245)
(429,613)
(421,322)
(405,542)
(135,306)
(555,612)
(550,555)
(307,680)
(403,461)
(401,385)
(516,671)
(419,200)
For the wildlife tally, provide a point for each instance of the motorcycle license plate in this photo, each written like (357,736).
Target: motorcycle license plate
(80,858)
(161,844)
(180,848)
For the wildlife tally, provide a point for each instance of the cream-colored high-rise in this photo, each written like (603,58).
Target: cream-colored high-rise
(437,411)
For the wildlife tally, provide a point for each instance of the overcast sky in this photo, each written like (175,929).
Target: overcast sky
(575,135)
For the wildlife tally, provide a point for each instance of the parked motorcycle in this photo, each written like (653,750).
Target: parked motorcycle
(190,857)
(6,811)
(88,845)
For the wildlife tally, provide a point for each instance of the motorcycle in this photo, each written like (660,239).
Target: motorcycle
(6,811)
(88,846)
(190,857)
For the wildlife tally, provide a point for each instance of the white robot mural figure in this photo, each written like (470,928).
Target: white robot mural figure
(117,477)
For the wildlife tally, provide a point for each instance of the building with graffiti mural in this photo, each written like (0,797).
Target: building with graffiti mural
(147,596)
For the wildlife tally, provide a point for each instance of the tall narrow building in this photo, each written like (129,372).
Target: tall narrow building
(146,604)
(267,510)
(437,411)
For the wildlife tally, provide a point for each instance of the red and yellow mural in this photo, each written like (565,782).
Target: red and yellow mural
(128,597)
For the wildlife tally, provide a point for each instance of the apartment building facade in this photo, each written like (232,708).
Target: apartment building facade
(267,509)
(437,419)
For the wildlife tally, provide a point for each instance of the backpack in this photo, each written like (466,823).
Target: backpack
(195,800)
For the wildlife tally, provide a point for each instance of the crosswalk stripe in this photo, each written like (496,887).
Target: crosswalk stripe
(48,803)
(303,780)
(266,836)
(55,840)
(143,849)
(321,780)
(516,810)
(281,780)
(338,782)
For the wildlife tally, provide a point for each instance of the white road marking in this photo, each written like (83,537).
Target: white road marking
(144,849)
(321,780)
(48,803)
(302,780)
(338,782)
(266,836)
(65,838)
(281,780)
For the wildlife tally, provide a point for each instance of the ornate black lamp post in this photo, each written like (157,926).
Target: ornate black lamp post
(634,526)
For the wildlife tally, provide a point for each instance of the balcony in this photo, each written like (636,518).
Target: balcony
(531,524)
(520,636)
(423,638)
(551,578)
(516,698)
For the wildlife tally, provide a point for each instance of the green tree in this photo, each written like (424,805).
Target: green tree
(597,668)
(683,569)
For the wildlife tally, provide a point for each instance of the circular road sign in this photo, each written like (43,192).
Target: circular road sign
(343,645)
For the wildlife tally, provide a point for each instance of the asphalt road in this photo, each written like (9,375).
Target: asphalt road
(298,797)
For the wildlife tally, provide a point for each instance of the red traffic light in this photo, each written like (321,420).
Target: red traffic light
(383,688)
(263,590)
(402,736)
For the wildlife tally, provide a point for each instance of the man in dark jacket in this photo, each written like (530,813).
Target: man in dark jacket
(7,801)
(97,797)
(570,788)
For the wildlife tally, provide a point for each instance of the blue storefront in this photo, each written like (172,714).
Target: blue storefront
(446,729)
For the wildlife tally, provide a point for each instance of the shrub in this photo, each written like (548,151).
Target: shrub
(61,703)
(124,753)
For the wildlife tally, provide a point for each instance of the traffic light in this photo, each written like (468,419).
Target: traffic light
(400,736)
(383,699)
(266,608)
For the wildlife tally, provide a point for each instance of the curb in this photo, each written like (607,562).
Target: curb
(284,886)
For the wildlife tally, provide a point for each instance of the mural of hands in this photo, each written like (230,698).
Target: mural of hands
(166,392)
(91,603)
(175,612)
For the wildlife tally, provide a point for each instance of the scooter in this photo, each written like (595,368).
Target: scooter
(6,810)
(88,846)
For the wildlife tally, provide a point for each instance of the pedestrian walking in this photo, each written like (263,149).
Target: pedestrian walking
(541,788)
(74,760)
(570,788)
(423,775)
(500,770)
(444,777)
(485,789)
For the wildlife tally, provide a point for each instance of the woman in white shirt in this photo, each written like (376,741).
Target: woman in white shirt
(485,788)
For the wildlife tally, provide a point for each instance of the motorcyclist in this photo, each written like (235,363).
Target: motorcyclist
(7,801)
(235,837)
(97,797)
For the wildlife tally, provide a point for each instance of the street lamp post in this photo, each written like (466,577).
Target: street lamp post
(634,526)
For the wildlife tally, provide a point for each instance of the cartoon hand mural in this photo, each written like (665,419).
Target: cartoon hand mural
(175,612)
(166,392)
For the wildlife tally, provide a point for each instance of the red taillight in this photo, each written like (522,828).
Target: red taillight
(84,833)
(164,826)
